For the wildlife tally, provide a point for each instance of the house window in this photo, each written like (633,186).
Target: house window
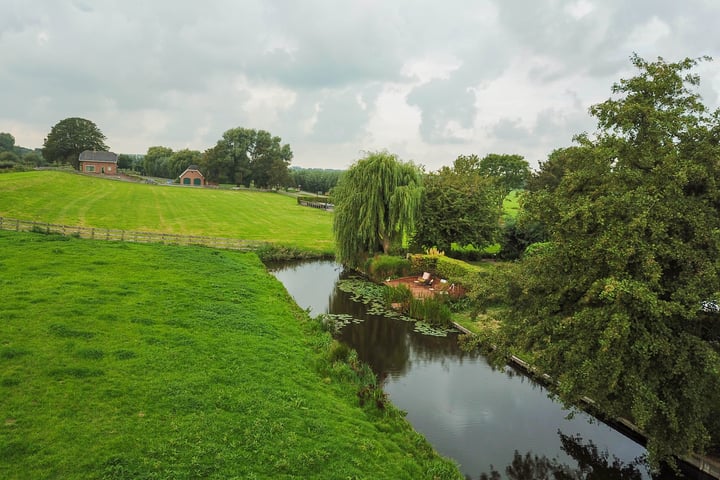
(89,168)
(186,181)
(196,181)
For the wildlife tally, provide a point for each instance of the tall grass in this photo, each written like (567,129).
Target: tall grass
(66,198)
(147,361)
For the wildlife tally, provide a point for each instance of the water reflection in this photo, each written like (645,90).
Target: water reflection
(592,464)
(468,411)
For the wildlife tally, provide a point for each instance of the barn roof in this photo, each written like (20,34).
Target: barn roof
(93,156)
(192,168)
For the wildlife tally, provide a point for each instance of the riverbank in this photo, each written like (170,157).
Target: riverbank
(137,361)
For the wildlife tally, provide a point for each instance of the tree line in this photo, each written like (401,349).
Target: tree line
(15,156)
(242,156)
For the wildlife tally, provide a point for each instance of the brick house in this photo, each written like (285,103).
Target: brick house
(192,176)
(103,163)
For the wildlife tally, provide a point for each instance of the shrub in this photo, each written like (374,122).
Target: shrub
(338,352)
(381,267)
(432,310)
(423,263)
(399,294)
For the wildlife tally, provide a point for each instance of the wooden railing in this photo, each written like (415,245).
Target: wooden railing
(128,236)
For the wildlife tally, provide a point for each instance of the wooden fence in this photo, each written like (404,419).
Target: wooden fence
(128,236)
(322,205)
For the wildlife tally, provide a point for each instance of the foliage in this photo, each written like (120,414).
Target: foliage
(312,198)
(314,179)
(380,267)
(248,157)
(131,161)
(592,463)
(442,266)
(8,159)
(7,142)
(376,204)
(433,310)
(551,171)
(508,172)
(156,162)
(398,294)
(96,202)
(458,205)
(33,159)
(610,305)
(181,160)
(517,235)
(69,138)
(144,378)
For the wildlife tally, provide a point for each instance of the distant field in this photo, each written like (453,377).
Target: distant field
(511,204)
(129,361)
(66,198)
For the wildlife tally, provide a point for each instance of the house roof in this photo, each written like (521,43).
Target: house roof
(92,156)
(192,168)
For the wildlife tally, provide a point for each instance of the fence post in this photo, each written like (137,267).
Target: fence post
(92,233)
(17,225)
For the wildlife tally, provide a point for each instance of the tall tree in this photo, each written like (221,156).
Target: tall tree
(376,203)
(156,162)
(509,172)
(7,142)
(612,306)
(458,205)
(245,156)
(69,138)
(182,159)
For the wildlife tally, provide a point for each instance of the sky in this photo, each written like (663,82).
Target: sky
(335,79)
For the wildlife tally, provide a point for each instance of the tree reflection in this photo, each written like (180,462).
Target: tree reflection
(592,464)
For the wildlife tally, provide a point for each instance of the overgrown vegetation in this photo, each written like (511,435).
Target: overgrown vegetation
(146,361)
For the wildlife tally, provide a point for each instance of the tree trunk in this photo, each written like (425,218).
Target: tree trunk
(386,243)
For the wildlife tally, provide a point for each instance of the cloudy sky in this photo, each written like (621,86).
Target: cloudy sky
(427,80)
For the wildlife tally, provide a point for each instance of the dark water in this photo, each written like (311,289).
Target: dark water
(480,417)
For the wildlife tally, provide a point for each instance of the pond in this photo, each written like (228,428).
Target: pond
(480,417)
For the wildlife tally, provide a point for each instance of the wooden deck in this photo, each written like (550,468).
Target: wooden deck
(420,290)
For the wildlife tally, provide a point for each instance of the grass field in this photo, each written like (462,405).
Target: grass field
(138,361)
(66,198)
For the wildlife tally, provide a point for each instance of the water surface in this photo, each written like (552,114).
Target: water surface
(480,417)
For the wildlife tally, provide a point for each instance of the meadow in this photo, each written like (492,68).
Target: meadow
(122,361)
(77,200)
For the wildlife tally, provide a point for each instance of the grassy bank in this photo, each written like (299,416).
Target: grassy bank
(147,361)
(65,198)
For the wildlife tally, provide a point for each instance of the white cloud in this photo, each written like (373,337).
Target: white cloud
(427,80)
(648,34)
(579,9)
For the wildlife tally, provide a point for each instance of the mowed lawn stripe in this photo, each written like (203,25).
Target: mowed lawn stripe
(65,198)
(122,360)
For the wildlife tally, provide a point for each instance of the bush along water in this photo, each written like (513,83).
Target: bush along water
(381,267)
(389,302)
(433,311)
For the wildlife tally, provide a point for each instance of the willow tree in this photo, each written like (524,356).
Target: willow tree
(376,203)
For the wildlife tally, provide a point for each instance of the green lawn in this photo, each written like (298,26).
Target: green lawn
(66,198)
(136,361)
(511,204)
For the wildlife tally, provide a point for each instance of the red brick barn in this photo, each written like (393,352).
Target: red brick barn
(101,163)
(192,176)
